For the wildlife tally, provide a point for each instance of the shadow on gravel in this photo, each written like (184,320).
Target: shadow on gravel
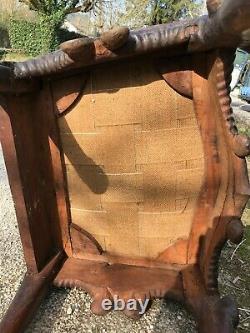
(236,103)
(172,311)
(245,108)
(49,310)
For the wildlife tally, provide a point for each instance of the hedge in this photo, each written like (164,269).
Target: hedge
(33,38)
(42,36)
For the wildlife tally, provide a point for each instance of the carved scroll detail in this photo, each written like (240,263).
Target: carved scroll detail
(67,93)
(85,51)
(240,143)
(223,28)
(213,268)
(104,281)
(224,66)
(178,75)
(44,65)
(228,227)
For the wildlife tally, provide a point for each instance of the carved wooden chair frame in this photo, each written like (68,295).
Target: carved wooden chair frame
(196,59)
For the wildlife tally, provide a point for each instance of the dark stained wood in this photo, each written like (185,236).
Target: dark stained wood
(59,174)
(203,218)
(31,292)
(27,122)
(83,243)
(212,313)
(178,74)
(181,82)
(79,49)
(241,145)
(9,85)
(67,92)
(10,156)
(218,85)
(115,38)
(217,178)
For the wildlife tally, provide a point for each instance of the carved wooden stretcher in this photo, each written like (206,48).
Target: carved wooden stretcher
(126,168)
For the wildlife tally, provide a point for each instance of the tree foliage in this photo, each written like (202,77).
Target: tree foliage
(165,11)
(49,7)
(136,13)
(45,34)
(149,12)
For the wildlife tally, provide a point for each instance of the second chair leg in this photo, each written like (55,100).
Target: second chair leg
(29,296)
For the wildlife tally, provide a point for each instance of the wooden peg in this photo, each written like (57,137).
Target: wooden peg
(235,230)
(79,49)
(115,38)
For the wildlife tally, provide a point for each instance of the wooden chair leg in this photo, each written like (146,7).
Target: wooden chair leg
(213,314)
(217,315)
(28,298)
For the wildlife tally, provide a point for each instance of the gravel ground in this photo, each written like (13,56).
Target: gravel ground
(241,109)
(68,310)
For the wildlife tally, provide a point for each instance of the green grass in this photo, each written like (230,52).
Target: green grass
(243,129)
(235,260)
(235,278)
(14,56)
(246,216)
(244,250)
